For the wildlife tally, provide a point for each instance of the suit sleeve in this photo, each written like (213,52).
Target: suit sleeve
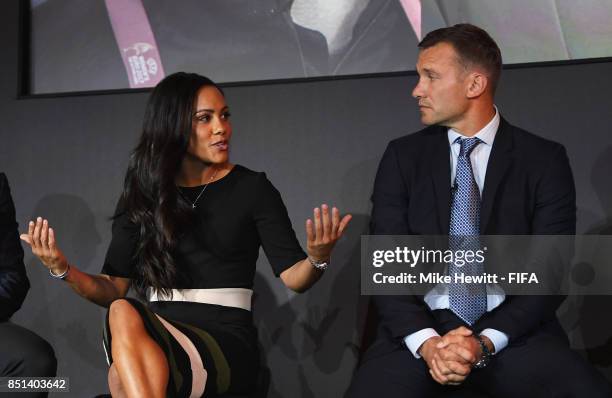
(398,315)
(554,214)
(14,282)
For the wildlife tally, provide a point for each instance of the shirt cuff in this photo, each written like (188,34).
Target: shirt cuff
(499,339)
(415,340)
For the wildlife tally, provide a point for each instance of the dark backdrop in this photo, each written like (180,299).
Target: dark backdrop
(318,142)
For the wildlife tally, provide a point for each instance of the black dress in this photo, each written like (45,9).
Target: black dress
(233,218)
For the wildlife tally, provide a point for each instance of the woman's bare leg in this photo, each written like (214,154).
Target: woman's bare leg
(139,361)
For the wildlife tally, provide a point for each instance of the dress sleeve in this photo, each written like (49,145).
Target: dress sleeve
(119,259)
(274,227)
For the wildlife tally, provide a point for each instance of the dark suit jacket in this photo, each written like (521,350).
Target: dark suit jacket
(14,282)
(529,189)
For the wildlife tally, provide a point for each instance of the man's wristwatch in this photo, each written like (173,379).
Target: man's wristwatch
(486,354)
(320,265)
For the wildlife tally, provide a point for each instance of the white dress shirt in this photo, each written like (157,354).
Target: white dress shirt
(437,298)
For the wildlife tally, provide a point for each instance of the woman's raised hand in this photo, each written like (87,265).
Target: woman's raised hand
(41,239)
(323,233)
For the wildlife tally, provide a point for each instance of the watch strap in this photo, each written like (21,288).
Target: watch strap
(486,354)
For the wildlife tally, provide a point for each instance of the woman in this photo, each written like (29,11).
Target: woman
(186,235)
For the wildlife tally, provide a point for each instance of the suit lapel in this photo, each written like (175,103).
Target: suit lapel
(441,174)
(499,162)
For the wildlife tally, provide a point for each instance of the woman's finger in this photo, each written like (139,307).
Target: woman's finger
(335,223)
(318,224)
(326,223)
(36,236)
(44,235)
(310,233)
(343,224)
(26,238)
(52,241)
(31,229)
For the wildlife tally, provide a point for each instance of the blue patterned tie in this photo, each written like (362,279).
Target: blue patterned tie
(467,301)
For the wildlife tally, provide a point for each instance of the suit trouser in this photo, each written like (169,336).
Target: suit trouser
(25,354)
(542,366)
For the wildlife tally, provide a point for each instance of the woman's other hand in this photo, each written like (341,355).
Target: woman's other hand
(41,239)
(323,233)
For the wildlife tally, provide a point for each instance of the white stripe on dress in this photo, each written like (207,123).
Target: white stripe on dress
(198,373)
(229,297)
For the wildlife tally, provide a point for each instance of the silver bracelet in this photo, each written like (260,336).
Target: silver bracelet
(63,275)
(320,265)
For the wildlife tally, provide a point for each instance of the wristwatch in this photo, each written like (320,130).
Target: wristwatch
(320,265)
(486,354)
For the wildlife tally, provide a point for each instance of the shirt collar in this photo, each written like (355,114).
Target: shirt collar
(486,134)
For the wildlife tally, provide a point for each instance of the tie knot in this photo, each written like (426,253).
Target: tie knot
(467,145)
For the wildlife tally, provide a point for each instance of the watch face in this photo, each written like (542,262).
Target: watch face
(480,364)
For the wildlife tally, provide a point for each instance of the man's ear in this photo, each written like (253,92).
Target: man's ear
(478,83)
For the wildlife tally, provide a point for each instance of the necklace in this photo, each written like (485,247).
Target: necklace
(193,204)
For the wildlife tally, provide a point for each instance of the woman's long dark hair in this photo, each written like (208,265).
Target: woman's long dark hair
(150,198)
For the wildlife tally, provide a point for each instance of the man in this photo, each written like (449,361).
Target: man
(433,183)
(22,353)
